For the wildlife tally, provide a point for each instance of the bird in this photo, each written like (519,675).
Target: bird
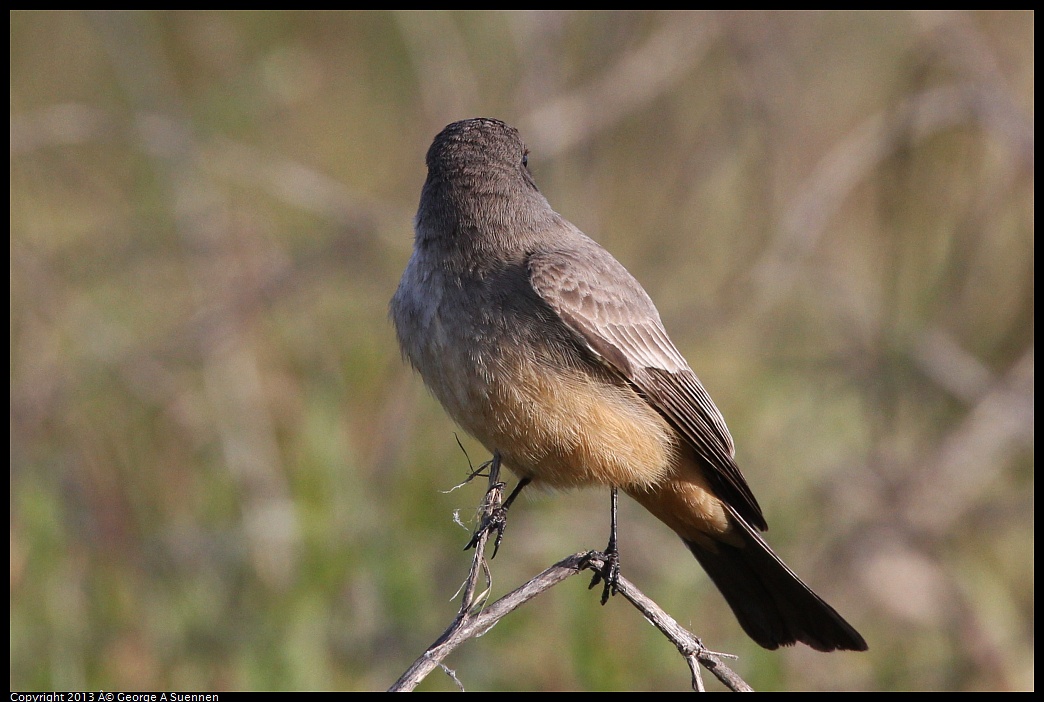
(542,346)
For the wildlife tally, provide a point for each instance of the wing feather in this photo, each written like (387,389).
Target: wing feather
(612,314)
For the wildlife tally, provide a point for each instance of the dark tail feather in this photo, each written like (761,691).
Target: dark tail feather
(771,603)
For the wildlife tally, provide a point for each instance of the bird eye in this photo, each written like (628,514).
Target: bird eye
(525,160)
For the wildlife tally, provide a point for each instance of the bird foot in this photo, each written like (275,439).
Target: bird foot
(495,522)
(609,573)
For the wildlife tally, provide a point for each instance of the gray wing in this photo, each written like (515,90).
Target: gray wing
(613,316)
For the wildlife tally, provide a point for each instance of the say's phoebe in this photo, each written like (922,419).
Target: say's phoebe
(543,347)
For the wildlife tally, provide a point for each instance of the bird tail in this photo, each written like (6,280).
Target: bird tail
(770,601)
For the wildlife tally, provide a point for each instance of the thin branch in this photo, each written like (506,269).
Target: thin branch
(687,643)
(473,620)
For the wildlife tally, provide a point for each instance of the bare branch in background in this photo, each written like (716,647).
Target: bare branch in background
(232,373)
(974,453)
(636,79)
(851,162)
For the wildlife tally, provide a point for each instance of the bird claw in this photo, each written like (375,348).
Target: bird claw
(609,574)
(496,521)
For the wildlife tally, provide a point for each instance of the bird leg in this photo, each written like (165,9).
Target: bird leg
(497,517)
(610,572)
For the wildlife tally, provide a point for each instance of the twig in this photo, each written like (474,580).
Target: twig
(473,620)
(687,643)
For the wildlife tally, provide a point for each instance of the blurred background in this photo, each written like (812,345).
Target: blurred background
(224,477)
